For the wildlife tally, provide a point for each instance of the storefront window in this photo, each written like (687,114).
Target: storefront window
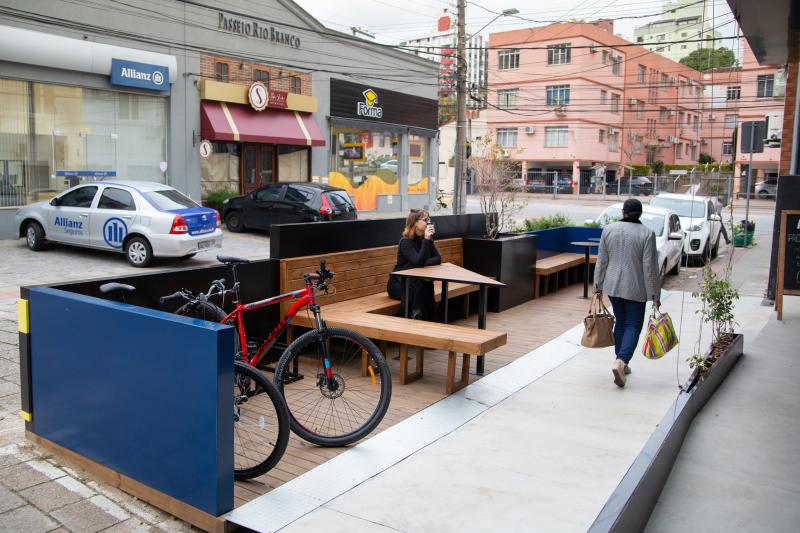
(360,154)
(419,165)
(53,137)
(293,163)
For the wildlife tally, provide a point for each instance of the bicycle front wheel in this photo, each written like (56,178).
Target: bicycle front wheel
(341,410)
(261,423)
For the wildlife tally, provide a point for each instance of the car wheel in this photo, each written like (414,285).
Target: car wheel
(234,222)
(705,257)
(677,268)
(34,236)
(715,250)
(138,252)
(763,195)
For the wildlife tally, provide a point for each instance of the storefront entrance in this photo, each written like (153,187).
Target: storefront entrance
(258,166)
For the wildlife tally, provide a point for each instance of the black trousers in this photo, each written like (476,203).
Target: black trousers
(422,304)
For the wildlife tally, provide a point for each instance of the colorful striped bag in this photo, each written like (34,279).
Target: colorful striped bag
(660,337)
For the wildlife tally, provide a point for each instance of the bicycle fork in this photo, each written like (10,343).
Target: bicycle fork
(325,380)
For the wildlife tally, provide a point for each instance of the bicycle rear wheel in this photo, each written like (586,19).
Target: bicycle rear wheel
(261,423)
(349,408)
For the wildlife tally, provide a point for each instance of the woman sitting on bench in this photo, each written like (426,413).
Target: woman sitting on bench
(416,249)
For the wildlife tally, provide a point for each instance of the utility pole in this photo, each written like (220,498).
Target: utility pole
(459,202)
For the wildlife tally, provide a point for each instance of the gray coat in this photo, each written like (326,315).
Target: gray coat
(627,264)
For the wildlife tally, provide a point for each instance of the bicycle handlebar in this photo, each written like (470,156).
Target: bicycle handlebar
(176,296)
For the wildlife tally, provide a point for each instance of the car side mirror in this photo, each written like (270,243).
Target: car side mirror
(55,202)
(675,236)
(715,218)
(252,196)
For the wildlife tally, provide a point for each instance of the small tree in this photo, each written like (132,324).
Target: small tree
(497,182)
(705,159)
(704,59)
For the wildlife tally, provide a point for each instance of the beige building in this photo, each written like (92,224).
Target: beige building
(684,20)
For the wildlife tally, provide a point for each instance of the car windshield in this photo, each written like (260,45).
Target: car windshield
(170,199)
(684,208)
(612,214)
(654,222)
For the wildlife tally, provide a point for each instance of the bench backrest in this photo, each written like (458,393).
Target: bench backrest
(359,272)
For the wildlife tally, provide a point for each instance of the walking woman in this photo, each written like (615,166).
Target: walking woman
(627,271)
(416,249)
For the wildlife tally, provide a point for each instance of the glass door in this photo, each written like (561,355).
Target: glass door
(258,166)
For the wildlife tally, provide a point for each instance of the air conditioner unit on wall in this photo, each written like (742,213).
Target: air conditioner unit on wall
(530,130)
(593,49)
(632,101)
(612,131)
(712,116)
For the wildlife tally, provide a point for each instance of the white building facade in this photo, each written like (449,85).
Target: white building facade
(684,20)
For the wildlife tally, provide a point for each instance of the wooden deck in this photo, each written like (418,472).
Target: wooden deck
(529,326)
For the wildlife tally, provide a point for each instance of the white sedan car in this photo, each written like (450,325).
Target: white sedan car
(141,219)
(665,223)
(700,218)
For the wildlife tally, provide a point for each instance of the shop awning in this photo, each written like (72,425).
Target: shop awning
(220,121)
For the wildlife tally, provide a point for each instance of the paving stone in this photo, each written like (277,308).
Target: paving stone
(51,496)
(7,387)
(132,525)
(173,525)
(9,500)
(26,519)
(143,510)
(85,516)
(22,476)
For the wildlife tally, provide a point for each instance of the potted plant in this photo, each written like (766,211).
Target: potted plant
(743,233)
(506,257)
(216,199)
(717,297)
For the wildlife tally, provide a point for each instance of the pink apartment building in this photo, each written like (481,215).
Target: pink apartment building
(568,97)
(750,92)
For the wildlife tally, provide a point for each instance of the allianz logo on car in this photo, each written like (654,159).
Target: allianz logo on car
(68,223)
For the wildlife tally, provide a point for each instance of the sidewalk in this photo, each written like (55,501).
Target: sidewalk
(539,444)
(738,468)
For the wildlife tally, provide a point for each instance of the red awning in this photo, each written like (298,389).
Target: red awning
(220,121)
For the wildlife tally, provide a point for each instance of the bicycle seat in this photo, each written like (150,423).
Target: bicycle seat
(229,260)
(105,288)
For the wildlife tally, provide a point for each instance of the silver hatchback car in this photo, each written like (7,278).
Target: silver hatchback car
(141,219)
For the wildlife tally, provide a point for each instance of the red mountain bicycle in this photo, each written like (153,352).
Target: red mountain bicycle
(336,382)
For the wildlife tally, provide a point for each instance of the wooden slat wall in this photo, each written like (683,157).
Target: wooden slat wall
(358,273)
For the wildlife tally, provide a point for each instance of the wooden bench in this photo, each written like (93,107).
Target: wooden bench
(564,266)
(360,303)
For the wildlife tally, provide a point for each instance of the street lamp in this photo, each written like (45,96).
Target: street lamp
(459,202)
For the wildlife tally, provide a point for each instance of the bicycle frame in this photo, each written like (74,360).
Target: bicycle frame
(306,298)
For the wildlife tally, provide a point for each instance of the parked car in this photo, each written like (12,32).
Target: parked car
(542,184)
(141,219)
(640,186)
(699,216)
(390,165)
(767,188)
(666,225)
(285,203)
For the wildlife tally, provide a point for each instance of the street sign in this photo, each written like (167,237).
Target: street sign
(755,131)
(205,149)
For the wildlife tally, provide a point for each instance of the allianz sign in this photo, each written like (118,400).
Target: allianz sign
(139,75)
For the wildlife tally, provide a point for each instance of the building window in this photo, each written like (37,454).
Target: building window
(601,135)
(639,109)
(507,137)
(614,103)
(640,39)
(662,114)
(605,57)
(262,76)
(683,47)
(683,34)
(661,37)
(616,61)
(681,116)
(651,127)
(507,98)
(730,121)
(222,72)
(555,135)
(559,54)
(640,74)
(603,97)
(694,152)
(508,59)
(765,86)
(696,123)
(296,85)
(664,81)
(613,142)
(734,92)
(727,147)
(557,94)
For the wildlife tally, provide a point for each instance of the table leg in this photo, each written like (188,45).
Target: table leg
(481,323)
(444,301)
(406,295)
(586,272)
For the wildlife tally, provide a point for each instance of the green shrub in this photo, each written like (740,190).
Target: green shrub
(215,199)
(641,170)
(556,221)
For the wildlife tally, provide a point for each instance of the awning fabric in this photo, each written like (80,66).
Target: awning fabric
(220,121)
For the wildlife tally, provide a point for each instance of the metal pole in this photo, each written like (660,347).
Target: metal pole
(461,113)
(795,141)
(749,174)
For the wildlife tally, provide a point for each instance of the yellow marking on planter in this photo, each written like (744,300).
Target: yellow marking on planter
(26,416)
(22,316)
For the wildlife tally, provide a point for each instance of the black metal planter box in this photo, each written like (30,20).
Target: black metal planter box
(508,259)
(631,504)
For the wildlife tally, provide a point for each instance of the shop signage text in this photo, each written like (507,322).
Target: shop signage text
(367,108)
(260,97)
(257,30)
(139,75)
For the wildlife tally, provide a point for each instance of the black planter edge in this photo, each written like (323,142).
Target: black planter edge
(630,505)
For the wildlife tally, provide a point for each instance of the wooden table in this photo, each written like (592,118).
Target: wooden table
(447,272)
(587,246)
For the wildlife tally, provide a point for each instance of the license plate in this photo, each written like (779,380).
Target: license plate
(202,245)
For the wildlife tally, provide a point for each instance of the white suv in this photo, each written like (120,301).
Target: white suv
(701,221)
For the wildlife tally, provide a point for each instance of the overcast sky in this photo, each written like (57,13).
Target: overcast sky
(395,20)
